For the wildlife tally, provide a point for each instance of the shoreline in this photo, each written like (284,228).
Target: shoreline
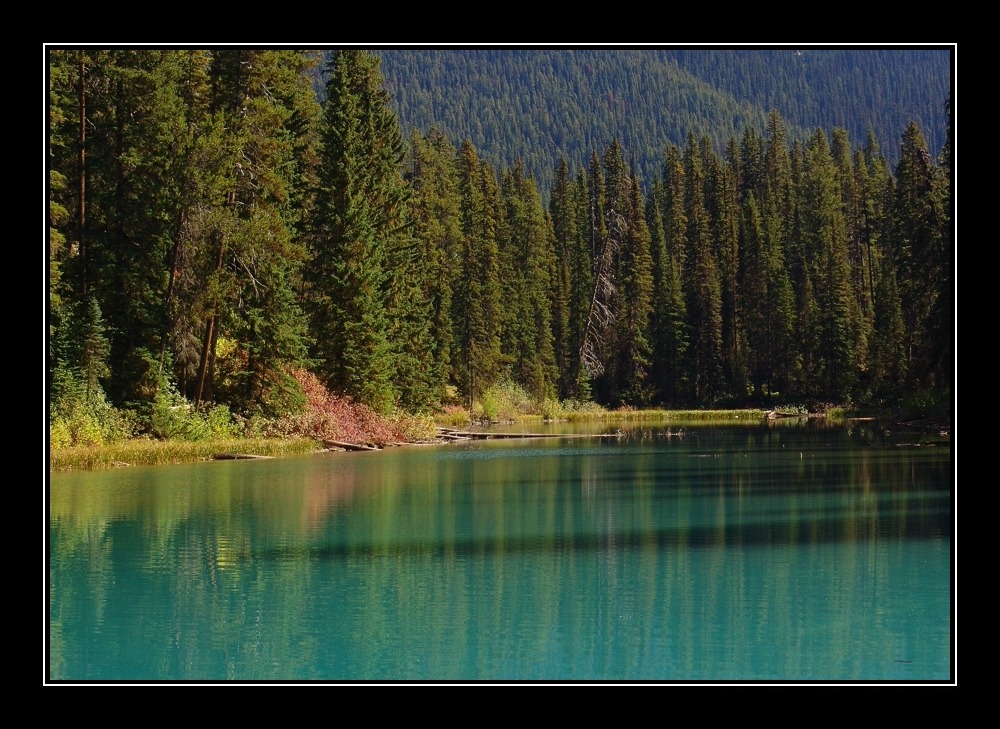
(147,452)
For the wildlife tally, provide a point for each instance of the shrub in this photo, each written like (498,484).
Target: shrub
(81,415)
(326,415)
(174,418)
(505,400)
(453,416)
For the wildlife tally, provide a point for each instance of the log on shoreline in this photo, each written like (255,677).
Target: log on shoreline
(238,457)
(478,435)
(348,446)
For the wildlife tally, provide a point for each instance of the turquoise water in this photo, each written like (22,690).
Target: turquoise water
(727,554)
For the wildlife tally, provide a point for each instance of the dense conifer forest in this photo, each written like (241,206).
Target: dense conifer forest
(551,103)
(219,238)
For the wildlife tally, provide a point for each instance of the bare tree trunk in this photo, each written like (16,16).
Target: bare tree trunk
(205,370)
(82,208)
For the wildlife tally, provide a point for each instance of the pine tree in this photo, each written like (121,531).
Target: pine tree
(784,258)
(359,216)
(251,248)
(669,317)
(824,239)
(726,224)
(704,290)
(566,296)
(769,303)
(921,252)
(617,217)
(435,207)
(582,289)
(851,183)
(635,318)
(125,183)
(477,304)
(528,262)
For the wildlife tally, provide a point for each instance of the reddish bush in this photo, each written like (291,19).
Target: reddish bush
(336,417)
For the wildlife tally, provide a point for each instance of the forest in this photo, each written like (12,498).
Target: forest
(220,241)
(549,103)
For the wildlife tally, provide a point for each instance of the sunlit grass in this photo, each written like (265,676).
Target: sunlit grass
(596,414)
(672,416)
(145,452)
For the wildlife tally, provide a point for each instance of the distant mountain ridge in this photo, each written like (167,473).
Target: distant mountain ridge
(541,105)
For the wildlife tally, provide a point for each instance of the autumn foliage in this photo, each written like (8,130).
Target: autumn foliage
(338,417)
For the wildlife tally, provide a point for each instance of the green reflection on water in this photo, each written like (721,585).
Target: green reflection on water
(739,554)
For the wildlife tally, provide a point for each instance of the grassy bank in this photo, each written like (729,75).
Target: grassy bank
(147,452)
(680,416)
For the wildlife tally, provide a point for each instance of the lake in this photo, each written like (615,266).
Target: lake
(799,552)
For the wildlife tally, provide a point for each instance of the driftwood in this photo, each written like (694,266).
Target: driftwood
(775,415)
(479,435)
(348,446)
(238,457)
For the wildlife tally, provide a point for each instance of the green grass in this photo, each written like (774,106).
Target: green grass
(144,452)
(147,452)
(678,416)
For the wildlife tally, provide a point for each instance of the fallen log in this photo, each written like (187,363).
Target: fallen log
(238,457)
(479,435)
(777,415)
(348,446)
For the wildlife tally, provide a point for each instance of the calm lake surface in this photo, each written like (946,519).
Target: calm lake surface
(759,553)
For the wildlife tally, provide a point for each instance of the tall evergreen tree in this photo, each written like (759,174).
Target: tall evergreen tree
(921,251)
(851,183)
(770,307)
(597,343)
(562,217)
(358,232)
(477,302)
(824,238)
(525,248)
(252,253)
(583,289)
(704,290)
(636,307)
(670,339)
(726,223)
(436,210)
(617,217)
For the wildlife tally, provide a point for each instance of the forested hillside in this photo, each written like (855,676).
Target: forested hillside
(534,105)
(215,233)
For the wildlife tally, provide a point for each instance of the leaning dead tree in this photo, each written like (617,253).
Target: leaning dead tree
(601,314)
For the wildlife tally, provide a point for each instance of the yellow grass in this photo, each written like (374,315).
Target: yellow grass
(144,452)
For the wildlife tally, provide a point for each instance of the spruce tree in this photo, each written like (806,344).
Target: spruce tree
(360,212)
(921,251)
(566,296)
(636,309)
(529,262)
(726,224)
(435,207)
(669,317)
(704,290)
(769,303)
(824,239)
(252,251)
(477,303)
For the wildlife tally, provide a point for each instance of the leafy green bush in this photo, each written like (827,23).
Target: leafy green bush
(80,414)
(505,400)
(452,416)
(927,403)
(174,418)
(490,404)
(414,427)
